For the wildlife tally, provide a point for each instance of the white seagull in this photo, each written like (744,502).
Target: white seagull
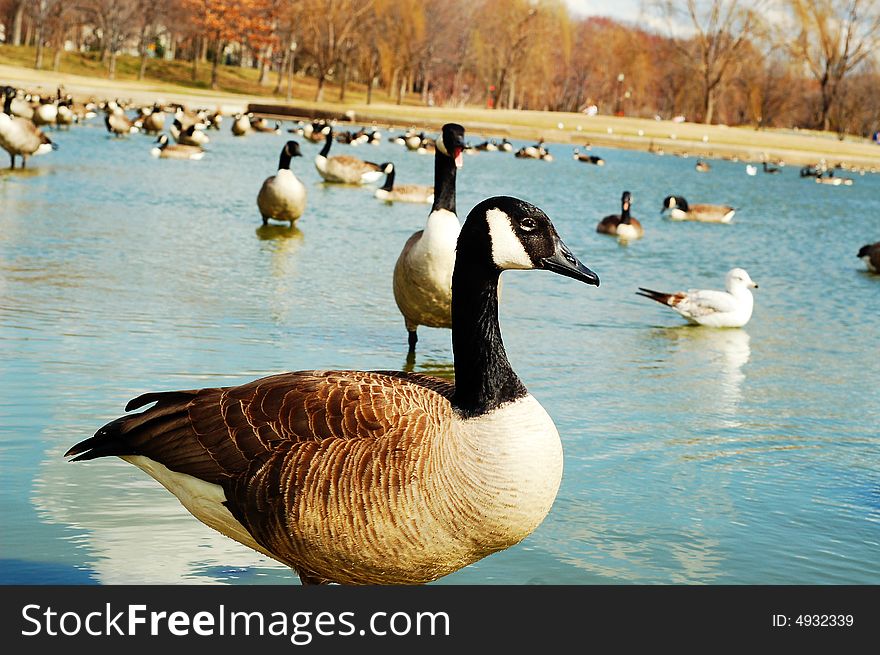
(730,308)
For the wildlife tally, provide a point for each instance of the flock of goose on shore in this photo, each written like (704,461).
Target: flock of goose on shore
(374,477)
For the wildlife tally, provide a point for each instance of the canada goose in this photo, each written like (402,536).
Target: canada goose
(154,120)
(46,113)
(117,122)
(314,132)
(189,136)
(487,146)
(427,146)
(622,225)
(810,171)
(770,168)
(588,159)
(423,271)
(870,254)
(413,141)
(166,150)
(702,166)
(730,308)
(19,136)
(505,146)
(66,115)
(283,196)
(241,125)
(678,209)
(20,106)
(379,477)
(343,169)
(831,179)
(405,193)
(262,125)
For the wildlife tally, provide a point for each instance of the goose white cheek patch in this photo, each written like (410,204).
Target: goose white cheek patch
(507,249)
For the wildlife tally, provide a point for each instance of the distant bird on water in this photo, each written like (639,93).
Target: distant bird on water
(622,225)
(678,209)
(870,254)
(724,309)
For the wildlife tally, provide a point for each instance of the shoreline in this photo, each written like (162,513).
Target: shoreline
(793,147)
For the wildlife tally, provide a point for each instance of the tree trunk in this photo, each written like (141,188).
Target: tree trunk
(111,74)
(319,94)
(143,67)
(290,65)
(195,62)
(282,69)
(344,83)
(218,51)
(264,66)
(370,88)
(56,60)
(16,23)
(38,63)
(511,93)
(401,89)
(203,49)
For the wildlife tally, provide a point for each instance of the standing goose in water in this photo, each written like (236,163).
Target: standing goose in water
(360,477)
(403,193)
(423,272)
(283,196)
(678,209)
(623,225)
(19,136)
(343,169)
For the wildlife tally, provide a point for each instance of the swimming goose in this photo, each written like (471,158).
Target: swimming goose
(154,120)
(678,209)
(189,136)
(46,113)
(623,225)
(403,193)
(19,136)
(117,122)
(241,125)
(505,146)
(423,271)
(831,179)
(702,166)
(343,169)
(588,159)
(487,146)
(730,308)
(770,168)
(870,254)
(262,125)
(283,196)
(378,477)
(166,150)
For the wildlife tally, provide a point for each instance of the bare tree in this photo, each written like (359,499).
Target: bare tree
(834,38)
(721,28)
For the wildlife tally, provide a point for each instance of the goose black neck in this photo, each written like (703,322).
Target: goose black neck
(327,142)
(7,105)
(389,181)
(484,378)
(624,213)
(284,159)
(444,182)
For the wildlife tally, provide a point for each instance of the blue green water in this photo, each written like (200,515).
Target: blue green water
(691,455)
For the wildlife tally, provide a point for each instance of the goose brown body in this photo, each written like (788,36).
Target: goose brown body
(365,477)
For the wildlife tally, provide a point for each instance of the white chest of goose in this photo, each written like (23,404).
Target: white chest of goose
(422,280)
(372,477)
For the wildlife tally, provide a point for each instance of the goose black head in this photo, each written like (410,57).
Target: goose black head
(292,149)
(675,202)
(518,235)
(451,142)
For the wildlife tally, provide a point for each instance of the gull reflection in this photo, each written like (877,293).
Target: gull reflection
(711,361)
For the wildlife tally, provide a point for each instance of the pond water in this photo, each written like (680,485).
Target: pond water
(692,455)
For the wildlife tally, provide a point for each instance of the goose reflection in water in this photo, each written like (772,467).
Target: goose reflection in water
(715,359)
(281,242)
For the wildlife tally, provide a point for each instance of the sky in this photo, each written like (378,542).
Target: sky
(626,10)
